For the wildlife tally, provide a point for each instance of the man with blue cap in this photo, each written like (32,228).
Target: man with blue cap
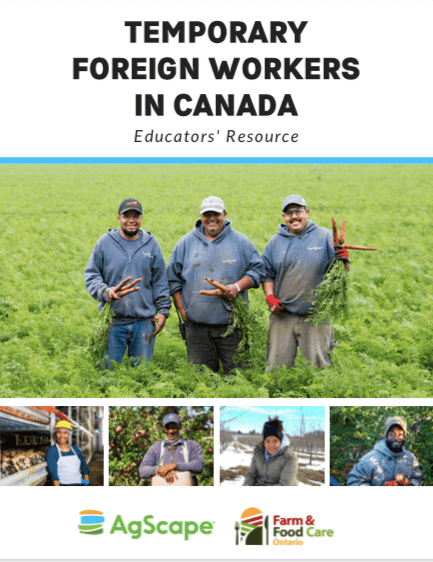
(296,260)
(173,455)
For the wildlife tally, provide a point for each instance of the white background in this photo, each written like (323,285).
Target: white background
(365,522)
(385,112)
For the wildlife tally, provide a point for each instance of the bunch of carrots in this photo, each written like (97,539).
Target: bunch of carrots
(97,342)
(242,319)
(331,297)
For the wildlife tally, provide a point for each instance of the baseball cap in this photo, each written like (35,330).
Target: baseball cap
(171,418)
(294,200)
(130,205)
(212,204)
(396,420)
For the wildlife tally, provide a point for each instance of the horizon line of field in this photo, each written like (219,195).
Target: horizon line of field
(217,160)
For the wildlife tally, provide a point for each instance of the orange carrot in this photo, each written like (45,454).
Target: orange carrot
(215,293)
(342,232)
(214,283)
(352,247)
(334,231)
(127,289)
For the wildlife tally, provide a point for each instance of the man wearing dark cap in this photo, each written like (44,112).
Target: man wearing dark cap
(172,455)
(296,260)
(389,463)
(130,255)
(212,249)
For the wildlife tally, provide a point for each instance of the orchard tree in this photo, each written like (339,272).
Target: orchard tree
(132,430)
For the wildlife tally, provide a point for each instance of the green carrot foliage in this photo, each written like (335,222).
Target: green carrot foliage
(251,330)
(331,296)
(46,315)
(97,343)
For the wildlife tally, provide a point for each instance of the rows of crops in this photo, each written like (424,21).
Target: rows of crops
(54,214)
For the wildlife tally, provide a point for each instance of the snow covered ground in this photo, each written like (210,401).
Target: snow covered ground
(235,460)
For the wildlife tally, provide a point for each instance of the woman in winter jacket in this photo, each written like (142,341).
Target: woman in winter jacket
(274,461)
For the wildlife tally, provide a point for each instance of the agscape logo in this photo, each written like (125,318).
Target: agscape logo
(256,528)
(91,522)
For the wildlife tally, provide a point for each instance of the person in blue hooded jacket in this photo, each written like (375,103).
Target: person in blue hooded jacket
(140,311)
(213,249)
(296,260)
(388,459)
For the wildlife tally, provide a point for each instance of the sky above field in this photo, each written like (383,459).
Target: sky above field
(245,419)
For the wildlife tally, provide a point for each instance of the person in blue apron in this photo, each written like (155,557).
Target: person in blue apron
(65,463)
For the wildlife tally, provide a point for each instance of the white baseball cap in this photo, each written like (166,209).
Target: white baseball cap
(212,204)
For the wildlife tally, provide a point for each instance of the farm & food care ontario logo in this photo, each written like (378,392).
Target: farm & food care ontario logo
(256,528)
(91,524)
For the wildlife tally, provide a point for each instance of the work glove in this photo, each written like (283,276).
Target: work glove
(342,254)
(273,302)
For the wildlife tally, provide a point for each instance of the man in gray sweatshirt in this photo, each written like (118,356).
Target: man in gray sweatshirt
(213,249)
(296,260)
(388,459)
(141,311)
(173,454)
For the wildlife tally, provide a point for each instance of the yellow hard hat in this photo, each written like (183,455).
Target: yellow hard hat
(63,425)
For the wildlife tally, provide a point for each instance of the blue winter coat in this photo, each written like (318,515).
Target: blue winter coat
(299,262)
(381,465)
(109,264)
(226,259)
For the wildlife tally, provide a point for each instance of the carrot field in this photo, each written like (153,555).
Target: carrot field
(53,215)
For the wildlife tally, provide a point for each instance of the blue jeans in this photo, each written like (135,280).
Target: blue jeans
(137,337)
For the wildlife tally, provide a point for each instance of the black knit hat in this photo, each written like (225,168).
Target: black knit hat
(273,427)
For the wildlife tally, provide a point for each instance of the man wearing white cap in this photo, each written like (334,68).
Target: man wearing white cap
(213,249)
(296,260)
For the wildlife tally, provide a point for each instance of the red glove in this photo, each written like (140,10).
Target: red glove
(342,254)
(273,302)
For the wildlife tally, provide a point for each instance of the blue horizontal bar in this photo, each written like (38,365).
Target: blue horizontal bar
(222,160)
(89,519)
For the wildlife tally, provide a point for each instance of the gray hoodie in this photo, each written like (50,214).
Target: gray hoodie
(381,465)
(296,264)
(109,264)
(281,469)
(226,259)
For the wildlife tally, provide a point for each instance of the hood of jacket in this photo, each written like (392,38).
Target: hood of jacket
(117,237)
(284,443)
(383,450)
(199,232)
(285,448)
(283,230)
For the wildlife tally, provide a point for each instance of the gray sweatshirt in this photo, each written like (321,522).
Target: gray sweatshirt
(226,259)
(110,263)
(381,465)
(296,264)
